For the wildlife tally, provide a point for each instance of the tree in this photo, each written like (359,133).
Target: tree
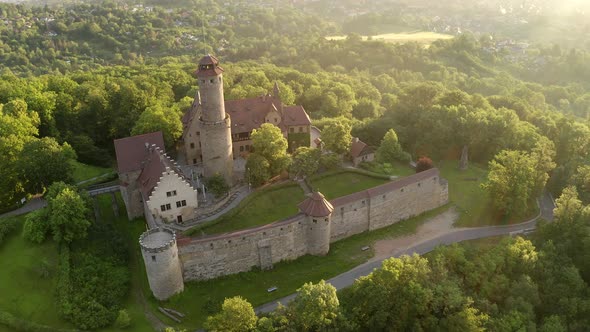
(257,169)
(306,161)
(511,181)
(316,307)
(424,164)
(581,180)
(68,216)
(390,150)
(160,118)
(36,226)
(365,108)
(236,315)
(336,137)
(43,162)
(123,320)
(542,157)
(268,141)
(568,207)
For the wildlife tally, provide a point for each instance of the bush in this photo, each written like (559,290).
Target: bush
(36,226)
(423,164)
(217,185)
(7,226)
(123,320)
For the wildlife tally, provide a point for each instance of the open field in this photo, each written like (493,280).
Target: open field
(422,37)
(343,182)
(472,202)
(201,299)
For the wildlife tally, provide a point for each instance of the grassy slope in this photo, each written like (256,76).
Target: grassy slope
(260,208)
(84,172)
(338,183)
(28,296)
(199,297)
(23,292)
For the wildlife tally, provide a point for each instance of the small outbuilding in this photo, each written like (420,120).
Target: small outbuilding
(360,152)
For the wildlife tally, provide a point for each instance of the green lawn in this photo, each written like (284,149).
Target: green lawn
(472,202)
(201,299)
(83,172)
(260,208)
(343,182)
(24,292)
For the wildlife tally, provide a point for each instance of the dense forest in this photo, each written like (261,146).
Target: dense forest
(75,76)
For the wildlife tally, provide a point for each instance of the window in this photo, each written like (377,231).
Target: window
(171,193)
(192,145)
(153,258)
(181,203)
(211,81)
(241,148)
(178,204)
(179,219)
(419,184)
(198,133)
(163,208)
(315,221)
(194,161)
(291,130)
(168,206)
(300,129)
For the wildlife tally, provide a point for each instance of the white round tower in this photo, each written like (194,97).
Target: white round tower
(215,124)
(160,255)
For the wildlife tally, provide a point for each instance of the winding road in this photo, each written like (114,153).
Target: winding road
(546,205)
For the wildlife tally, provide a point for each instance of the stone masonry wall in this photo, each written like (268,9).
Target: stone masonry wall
(292,238)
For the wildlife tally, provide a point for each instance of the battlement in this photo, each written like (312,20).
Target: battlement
(157,240)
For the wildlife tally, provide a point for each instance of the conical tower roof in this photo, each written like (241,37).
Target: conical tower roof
(208,66)
(316,205)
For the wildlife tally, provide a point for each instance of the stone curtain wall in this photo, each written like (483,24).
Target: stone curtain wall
(294,237)
(240,251)
(387,204)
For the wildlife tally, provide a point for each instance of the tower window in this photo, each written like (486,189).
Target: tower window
(192,145)
(211,81)
(153,258)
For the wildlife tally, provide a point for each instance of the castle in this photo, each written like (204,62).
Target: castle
(310,232)
(155,186)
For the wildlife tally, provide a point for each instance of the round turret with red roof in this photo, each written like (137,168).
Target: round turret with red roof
(208,66)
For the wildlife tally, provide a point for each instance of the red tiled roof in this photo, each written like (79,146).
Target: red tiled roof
(385,188)
(151,173)
(213,67)
(249,114)
(316,205)
(295,116)
(359,148)
(155,164)
(131,151)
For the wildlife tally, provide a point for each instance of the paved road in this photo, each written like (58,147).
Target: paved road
(458,235)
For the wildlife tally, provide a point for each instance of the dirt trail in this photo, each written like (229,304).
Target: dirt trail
(433,227)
